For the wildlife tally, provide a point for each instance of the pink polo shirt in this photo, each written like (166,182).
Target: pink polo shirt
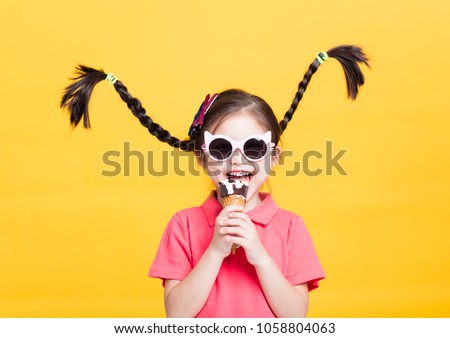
(237,291)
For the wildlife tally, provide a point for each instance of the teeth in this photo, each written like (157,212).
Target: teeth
(241,174)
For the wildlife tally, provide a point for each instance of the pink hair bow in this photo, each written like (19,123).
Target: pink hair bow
(200,116)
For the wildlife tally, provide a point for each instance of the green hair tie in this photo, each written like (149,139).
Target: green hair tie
(322,56)
(111,78)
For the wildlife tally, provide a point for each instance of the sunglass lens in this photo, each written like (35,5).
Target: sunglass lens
(220,149)
(255,149)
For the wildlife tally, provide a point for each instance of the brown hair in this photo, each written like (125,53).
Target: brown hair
(236,101)
(232,102)
(77,95)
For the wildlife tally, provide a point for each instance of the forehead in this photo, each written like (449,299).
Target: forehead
(239,125)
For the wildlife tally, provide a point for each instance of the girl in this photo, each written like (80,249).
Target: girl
(234,135)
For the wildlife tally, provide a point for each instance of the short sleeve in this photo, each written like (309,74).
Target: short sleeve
(173,259)
(303,264)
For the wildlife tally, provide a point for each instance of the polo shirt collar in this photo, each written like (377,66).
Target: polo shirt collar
(262,214)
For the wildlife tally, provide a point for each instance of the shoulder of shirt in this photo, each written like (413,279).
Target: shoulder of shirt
(181,219)
(189,212)
(292,216)
(289,213)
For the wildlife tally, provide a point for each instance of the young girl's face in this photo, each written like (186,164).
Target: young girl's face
(238,127)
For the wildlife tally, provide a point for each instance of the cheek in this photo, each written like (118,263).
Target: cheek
(214,168)
(263,167)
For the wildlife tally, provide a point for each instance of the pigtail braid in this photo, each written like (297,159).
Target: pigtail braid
(349,57)
(154,128)
(299,95)
(77,95)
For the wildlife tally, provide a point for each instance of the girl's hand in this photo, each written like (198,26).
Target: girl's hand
(239,229)
(221,243)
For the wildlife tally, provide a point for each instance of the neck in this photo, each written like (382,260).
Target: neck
(253,202)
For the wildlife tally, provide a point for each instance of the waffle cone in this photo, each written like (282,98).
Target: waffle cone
(233,200)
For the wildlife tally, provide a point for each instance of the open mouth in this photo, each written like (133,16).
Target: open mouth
(240,175)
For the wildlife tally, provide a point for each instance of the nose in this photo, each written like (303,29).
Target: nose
(237,157)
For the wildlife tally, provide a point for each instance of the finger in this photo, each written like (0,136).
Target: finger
(242,220)
(240,215)
(233,231)
(241,241)
(236,222)
(224,213)
(222,221)
(233,208)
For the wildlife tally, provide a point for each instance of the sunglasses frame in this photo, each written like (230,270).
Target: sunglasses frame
(267,137)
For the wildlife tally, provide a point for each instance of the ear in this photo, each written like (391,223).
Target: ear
(275,156)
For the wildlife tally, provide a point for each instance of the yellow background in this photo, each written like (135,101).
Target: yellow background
(74,243)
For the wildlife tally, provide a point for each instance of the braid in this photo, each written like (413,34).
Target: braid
(154,128)
(348,56)
(77,95)
(299,95)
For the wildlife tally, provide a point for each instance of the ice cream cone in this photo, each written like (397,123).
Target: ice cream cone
(233,193)
(233,200)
